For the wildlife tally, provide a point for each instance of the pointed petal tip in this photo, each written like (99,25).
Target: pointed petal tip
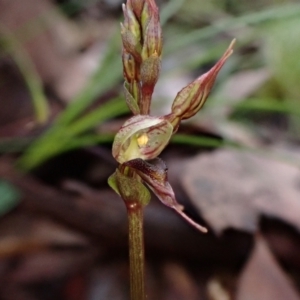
(229,50)
(179,210)
(232,43)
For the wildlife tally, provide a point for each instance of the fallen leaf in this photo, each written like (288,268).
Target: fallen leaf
(262,277)
(231,189)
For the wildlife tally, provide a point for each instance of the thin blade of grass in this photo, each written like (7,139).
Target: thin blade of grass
(35,86)
(56,139)
(89,140)
(169,10)
(274,13)
(288,106)
(107,75)
(113,108)
(199,141)
(59,138)
(269,105)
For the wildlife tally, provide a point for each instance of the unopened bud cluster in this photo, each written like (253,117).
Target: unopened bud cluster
(141,54)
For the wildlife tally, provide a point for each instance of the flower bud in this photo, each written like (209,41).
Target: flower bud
(129,66)
(150,69)
(131,43)
(141,137)
(191,98)
(137,7)
(152,36)
(150,10)
(130,22)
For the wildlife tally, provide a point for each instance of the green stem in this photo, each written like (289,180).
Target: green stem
(136,251)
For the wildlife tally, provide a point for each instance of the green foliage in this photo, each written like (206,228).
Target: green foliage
(64,137)
(68,131)
(282,48)
(232,23)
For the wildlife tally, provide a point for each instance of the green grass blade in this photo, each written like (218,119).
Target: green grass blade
(278,12)
(31,77)
(70,123)
(270,105)
(287,106)
(107,75)
(199,141)
(169,10)
(89,140)
(113,108)
(59,138)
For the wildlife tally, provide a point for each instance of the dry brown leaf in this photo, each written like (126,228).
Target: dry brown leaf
(262,277)
(231,189)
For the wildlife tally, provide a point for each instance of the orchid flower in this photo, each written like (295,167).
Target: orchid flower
(142,138)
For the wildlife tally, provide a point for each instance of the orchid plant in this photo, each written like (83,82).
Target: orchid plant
(143,137)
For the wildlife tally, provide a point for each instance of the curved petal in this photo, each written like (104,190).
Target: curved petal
(155,176)
(141,137)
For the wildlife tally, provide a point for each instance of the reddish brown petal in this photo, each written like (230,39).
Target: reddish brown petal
(192,97)
(155,176)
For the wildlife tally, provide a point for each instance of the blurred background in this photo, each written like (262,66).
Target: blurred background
(234,166)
